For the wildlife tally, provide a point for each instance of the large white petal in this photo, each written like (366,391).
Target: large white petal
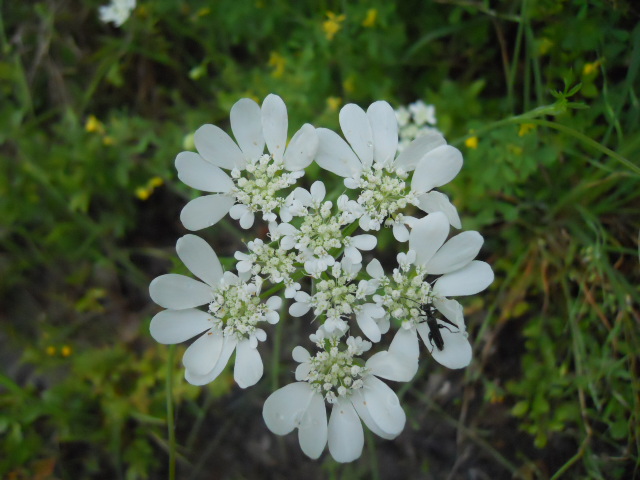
(274,124)
(246,124)
(384,129)
(283,410)
(202,355)
(368,326)
(473,278)
(301,149)
(456,352)
(452,310)
(356,129)
(417,149)
(439,202)
(335,155)
(217,147)
(400,362)
(455,253)
(175,326)
(427,236)
(360,404)
(195,171)
(364,242)
(178,292)
(200,259)
(248,368)
(384,406)
(313,429)
(346,437)
(374,269)
(228,347)
(203,212)
(437,168)
(299,309)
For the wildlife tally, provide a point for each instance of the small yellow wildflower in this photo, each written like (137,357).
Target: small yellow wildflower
(590,68)
(155,182)
(334,103)
(333,24)
(544,46)
(525,128)
(370,20)
(65,351)
(278,63)
(143,193)
(349,84)
(204,11)
(108,140)
(51,350)
(471,142)
(93,125)
(515,149)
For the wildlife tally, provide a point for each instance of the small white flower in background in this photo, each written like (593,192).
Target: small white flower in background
(353,390)
(314,256)
(231,323)
(416,121)
(256,178)
(117,12)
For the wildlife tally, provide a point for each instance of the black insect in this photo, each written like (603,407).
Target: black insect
(435,337)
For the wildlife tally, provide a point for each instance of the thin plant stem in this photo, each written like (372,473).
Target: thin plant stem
(171,433)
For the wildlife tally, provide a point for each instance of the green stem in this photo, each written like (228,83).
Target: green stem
(170,420)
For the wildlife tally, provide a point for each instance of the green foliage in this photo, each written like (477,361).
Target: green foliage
(92,117)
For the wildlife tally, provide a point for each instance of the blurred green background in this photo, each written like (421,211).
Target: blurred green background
(91,119)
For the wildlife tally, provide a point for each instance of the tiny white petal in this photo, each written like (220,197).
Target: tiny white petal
(200,259)
(217,147)
(437,168)
(357,130)
(203,212)
(299,309)
(178,292)
(201,356)
(300,354)
(428,235)
(246,125)
(400,232)
(346,437)
(473,278)
(374,269)
(364,242)
(175,326)
(417,149)
(301,149)
(455,253)
(196,172)
(248,368)
(284,408)
(247,219)
(335,155)
(384,129)
(275,124)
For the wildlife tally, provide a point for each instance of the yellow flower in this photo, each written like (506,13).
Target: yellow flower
(278,63)
(108,140)
(590,68)
(65,351)
(334,103)
(349,84)
(155,182)
(203,12)
(544,46)
(525,128)
(333,24)
(143,193)
(51,350)
(93,125)
(471,142)
(370,20)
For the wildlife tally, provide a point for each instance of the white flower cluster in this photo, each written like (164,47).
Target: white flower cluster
(117,12)
(314,259)
(416,120)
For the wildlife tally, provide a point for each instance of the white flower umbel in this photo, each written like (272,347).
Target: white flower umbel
(256,178)
(368,162)
(320,232)
(117,12)
(409,298)
(337,297)
(232,322)
(335,375)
